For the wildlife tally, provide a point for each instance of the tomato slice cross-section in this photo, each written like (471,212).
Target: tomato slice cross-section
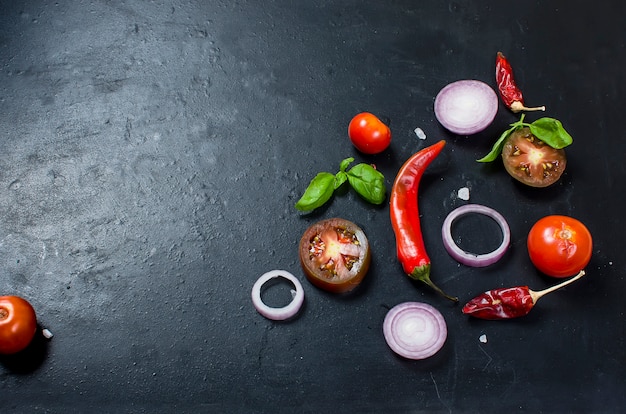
(531,161)
(335,255)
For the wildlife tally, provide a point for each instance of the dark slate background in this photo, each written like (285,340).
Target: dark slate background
(150,157)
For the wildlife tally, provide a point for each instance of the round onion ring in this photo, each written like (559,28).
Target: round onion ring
(278,314)
(415,330)
(466,107)
(470,259)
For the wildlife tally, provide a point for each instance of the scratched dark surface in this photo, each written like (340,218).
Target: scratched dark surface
(150,157)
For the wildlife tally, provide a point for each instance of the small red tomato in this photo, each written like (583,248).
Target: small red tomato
(369,134)
(559,246)
(18,324)
(335,255)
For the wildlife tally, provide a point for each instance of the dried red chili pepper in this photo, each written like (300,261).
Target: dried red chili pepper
(405,217)
(509,302)
(509,92)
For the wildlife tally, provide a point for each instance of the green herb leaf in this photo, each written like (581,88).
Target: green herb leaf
(551,131)
(318,192)
(364,178)
(344,164)
(368,182)
(340,178)
(497,147)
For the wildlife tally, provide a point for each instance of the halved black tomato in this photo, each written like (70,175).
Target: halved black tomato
(335,255)
(531,161)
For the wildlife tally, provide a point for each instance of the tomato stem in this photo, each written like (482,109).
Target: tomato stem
(4,313)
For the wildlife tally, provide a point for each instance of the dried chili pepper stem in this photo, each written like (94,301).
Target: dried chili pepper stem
(509,92)
(517,106)
(536,295)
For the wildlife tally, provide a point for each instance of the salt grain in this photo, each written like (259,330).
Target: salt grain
(463,193)
(483,338)
(46,333)
(420,134)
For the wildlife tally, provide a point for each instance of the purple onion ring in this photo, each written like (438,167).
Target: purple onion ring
(471,259)
(278,314)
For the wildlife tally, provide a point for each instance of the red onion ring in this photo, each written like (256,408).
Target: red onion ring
(466,107)
(415,330)
(471,259)
(278,314)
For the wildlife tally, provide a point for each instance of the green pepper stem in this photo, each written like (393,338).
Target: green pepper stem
(422,273)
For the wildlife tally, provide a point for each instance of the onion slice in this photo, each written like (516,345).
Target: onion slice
(415,330)
(278,314)
(466,107)
(471,259)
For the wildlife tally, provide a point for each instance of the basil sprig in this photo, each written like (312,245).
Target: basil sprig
(548,130)
(366,180)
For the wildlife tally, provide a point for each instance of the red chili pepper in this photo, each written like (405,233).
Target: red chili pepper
(509,92)
(509,302)
(405,216)
(501,303)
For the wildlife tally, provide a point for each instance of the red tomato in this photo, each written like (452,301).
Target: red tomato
(369,134)
(18,324)
(335,255)
(531,161)
(559,246)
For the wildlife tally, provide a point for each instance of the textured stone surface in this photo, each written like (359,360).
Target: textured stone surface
(150,157)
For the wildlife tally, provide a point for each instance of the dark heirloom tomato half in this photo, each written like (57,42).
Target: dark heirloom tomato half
(18,324)
(335,255)
(531,161)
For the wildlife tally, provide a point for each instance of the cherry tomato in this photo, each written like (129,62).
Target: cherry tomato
(531,161)
(559,246)
(369,134)
(335,255)
(18,324)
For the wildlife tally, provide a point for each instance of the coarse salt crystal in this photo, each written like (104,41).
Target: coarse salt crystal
(420,133)
(463,193)
(46,333)
(483,338)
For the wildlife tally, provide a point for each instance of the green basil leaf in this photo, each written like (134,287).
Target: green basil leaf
(344,164)
(340,178)
(497,147)
(368,182)
(551,131)
(318,192)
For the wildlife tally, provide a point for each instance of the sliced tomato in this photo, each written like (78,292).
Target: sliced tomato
(531,161)
(335,255)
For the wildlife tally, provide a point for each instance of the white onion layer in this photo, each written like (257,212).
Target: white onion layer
(278,314)
(471,259)
(415,330)
(466,107)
